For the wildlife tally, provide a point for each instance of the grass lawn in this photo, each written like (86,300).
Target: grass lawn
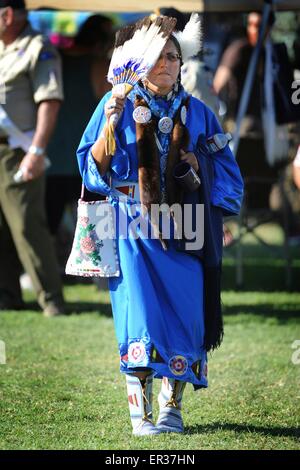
(61,387)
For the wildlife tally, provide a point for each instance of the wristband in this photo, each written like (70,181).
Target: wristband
(38,151)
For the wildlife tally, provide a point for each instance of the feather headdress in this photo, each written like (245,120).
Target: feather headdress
(190,39)
(137,49)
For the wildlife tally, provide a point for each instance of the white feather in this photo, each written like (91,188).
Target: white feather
(143,49)
(190,38)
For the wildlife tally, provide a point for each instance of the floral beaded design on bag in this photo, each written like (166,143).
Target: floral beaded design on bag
(94,251)
(87,243)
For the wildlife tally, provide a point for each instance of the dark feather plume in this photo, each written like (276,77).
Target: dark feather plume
(124,35)
(166,23)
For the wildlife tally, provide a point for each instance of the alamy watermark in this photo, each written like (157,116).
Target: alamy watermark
(296,354)
(167,222)
(296,93)
(2,353)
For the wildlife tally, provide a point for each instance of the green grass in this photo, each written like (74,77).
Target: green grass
(61,387)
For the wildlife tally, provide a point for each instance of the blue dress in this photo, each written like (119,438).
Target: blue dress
(157,301)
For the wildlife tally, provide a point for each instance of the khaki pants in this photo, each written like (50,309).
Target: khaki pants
(24,234)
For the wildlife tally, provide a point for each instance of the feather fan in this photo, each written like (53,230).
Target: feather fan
(137,49)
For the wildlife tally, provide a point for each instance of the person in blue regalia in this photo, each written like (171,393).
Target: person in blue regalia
(166,301)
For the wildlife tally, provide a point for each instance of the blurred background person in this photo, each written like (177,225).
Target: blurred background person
(31,72)
(228,83)
(265,181)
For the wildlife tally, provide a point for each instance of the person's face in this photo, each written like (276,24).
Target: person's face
(3,25)
(253,25)
(164,74)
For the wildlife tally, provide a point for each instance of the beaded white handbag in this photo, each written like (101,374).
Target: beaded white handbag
(94,252)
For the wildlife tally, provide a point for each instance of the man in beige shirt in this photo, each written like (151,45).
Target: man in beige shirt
(30,74)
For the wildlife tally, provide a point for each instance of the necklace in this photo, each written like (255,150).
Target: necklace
(164,109)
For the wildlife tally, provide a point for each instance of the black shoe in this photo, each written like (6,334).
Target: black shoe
(9,304)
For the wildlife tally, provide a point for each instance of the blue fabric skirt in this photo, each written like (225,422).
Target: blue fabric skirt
(157,306)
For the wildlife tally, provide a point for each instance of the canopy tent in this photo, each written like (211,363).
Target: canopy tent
(150,5)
